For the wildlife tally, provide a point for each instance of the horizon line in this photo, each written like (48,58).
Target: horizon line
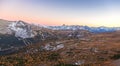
(56,25)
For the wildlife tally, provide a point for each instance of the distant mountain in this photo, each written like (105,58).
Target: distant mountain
(91,29)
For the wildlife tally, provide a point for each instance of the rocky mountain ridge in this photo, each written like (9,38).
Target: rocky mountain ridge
(100,29)
(20,33)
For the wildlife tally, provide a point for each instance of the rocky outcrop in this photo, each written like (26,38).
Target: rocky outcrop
(54,46)
(21,30)
(79,34)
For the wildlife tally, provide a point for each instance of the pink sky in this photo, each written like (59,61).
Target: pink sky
(58,13)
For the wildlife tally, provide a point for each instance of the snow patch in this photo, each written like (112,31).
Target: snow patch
(80,62)
(50,47)
(21,29)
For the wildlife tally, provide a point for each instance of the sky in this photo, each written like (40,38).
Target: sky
(58,12)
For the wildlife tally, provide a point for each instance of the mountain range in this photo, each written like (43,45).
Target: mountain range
(20,33)
(100,29)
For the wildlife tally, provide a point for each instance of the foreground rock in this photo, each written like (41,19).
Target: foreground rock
(54,46)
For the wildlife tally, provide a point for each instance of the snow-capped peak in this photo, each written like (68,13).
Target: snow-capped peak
(21,29)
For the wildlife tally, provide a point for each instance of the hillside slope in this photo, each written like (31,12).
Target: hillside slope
(3,26)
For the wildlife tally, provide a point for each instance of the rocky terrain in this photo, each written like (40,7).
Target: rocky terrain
(23,44)
(20,33)
(94,50)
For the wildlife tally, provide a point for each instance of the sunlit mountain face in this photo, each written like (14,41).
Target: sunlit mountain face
(59,33)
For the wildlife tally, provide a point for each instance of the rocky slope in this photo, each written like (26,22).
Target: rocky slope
(21,30)
(19,33)
(97,50)
(3,26)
